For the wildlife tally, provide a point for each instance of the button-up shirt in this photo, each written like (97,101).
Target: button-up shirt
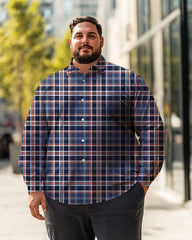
(90,138)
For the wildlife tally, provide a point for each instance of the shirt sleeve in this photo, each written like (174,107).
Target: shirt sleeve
(150,133)
(32,160)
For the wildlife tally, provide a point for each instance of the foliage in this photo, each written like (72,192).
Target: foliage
(62,54)
(26,54)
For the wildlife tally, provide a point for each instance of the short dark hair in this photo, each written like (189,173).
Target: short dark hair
(92,20)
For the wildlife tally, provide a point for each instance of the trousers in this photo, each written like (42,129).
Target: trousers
(119,218)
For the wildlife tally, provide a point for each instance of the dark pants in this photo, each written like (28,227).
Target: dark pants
(117,219)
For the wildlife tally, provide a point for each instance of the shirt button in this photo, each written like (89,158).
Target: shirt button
(82,140)
(82,119)
(83,160)
(83,80)
(82,99)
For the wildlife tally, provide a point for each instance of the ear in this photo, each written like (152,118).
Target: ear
(102,41)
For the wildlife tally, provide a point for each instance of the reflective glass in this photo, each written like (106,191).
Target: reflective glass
(176,108)
(174,4)
(141,62)
(167,103)
(173,107)
(143,13)
(164,8)
(168,6)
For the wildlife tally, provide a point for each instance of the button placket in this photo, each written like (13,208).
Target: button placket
(82,99)
(84,79)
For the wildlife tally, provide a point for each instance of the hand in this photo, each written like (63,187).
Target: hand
(145,188)
(35,199)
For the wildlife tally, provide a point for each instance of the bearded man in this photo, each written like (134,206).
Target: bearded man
(92,144)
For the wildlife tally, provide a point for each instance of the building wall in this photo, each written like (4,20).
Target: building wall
(122,31)
(152,48)
(104,11)
(65,10)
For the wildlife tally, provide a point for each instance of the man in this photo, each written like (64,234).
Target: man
(93,142)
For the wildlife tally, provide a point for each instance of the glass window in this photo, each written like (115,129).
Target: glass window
(68,8)
(141,62)
(46,2)
(175,69)
(3,16)
(47,13)
(167,103)
(114,4)
(164,8)
(174,4)
(168,6)
(176,108)
(189,2)
(173,107)
(143,8)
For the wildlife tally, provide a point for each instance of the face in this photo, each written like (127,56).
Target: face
(86,44)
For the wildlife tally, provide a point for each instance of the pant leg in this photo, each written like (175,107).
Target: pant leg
(120,218)
(66,222)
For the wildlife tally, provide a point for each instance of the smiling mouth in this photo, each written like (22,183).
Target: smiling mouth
(85,47)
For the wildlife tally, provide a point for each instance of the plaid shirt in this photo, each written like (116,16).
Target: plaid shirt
(90,138)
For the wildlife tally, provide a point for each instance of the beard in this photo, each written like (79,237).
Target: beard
(86,59)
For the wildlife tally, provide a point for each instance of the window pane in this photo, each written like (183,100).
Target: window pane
(167,103)
(174,4)
(141,62)
(143,8)
(164,8)
(176,109)
(167,6)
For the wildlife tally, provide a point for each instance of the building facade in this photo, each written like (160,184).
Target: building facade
(149,37)
(58,13)
(65,10)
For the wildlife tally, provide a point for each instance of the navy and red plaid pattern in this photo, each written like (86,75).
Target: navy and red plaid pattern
(90,138)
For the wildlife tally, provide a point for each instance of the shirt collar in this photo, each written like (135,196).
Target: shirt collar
(101,65)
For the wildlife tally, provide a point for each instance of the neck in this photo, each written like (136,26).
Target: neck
(84,68)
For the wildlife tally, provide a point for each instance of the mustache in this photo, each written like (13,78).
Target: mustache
(85,45)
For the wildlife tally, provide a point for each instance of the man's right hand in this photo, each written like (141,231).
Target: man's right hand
(35,199)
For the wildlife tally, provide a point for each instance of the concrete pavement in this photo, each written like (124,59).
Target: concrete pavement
(164,218)
(16,222)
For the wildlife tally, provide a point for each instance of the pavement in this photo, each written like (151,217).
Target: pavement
(165,216)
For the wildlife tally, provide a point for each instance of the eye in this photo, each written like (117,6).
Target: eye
(92,36)
(78,36)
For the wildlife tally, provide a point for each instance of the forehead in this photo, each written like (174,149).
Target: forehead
(84,27)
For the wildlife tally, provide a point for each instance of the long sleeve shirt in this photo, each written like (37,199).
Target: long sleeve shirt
(90,138)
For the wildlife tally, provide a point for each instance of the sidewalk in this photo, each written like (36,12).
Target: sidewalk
(164,217)
(16,222)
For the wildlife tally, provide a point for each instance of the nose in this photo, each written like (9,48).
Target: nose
(85,40)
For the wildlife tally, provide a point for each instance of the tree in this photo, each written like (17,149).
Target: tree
(62,54)
(27,55)
(24,54)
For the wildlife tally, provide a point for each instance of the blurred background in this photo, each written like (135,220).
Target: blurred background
(151,37)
